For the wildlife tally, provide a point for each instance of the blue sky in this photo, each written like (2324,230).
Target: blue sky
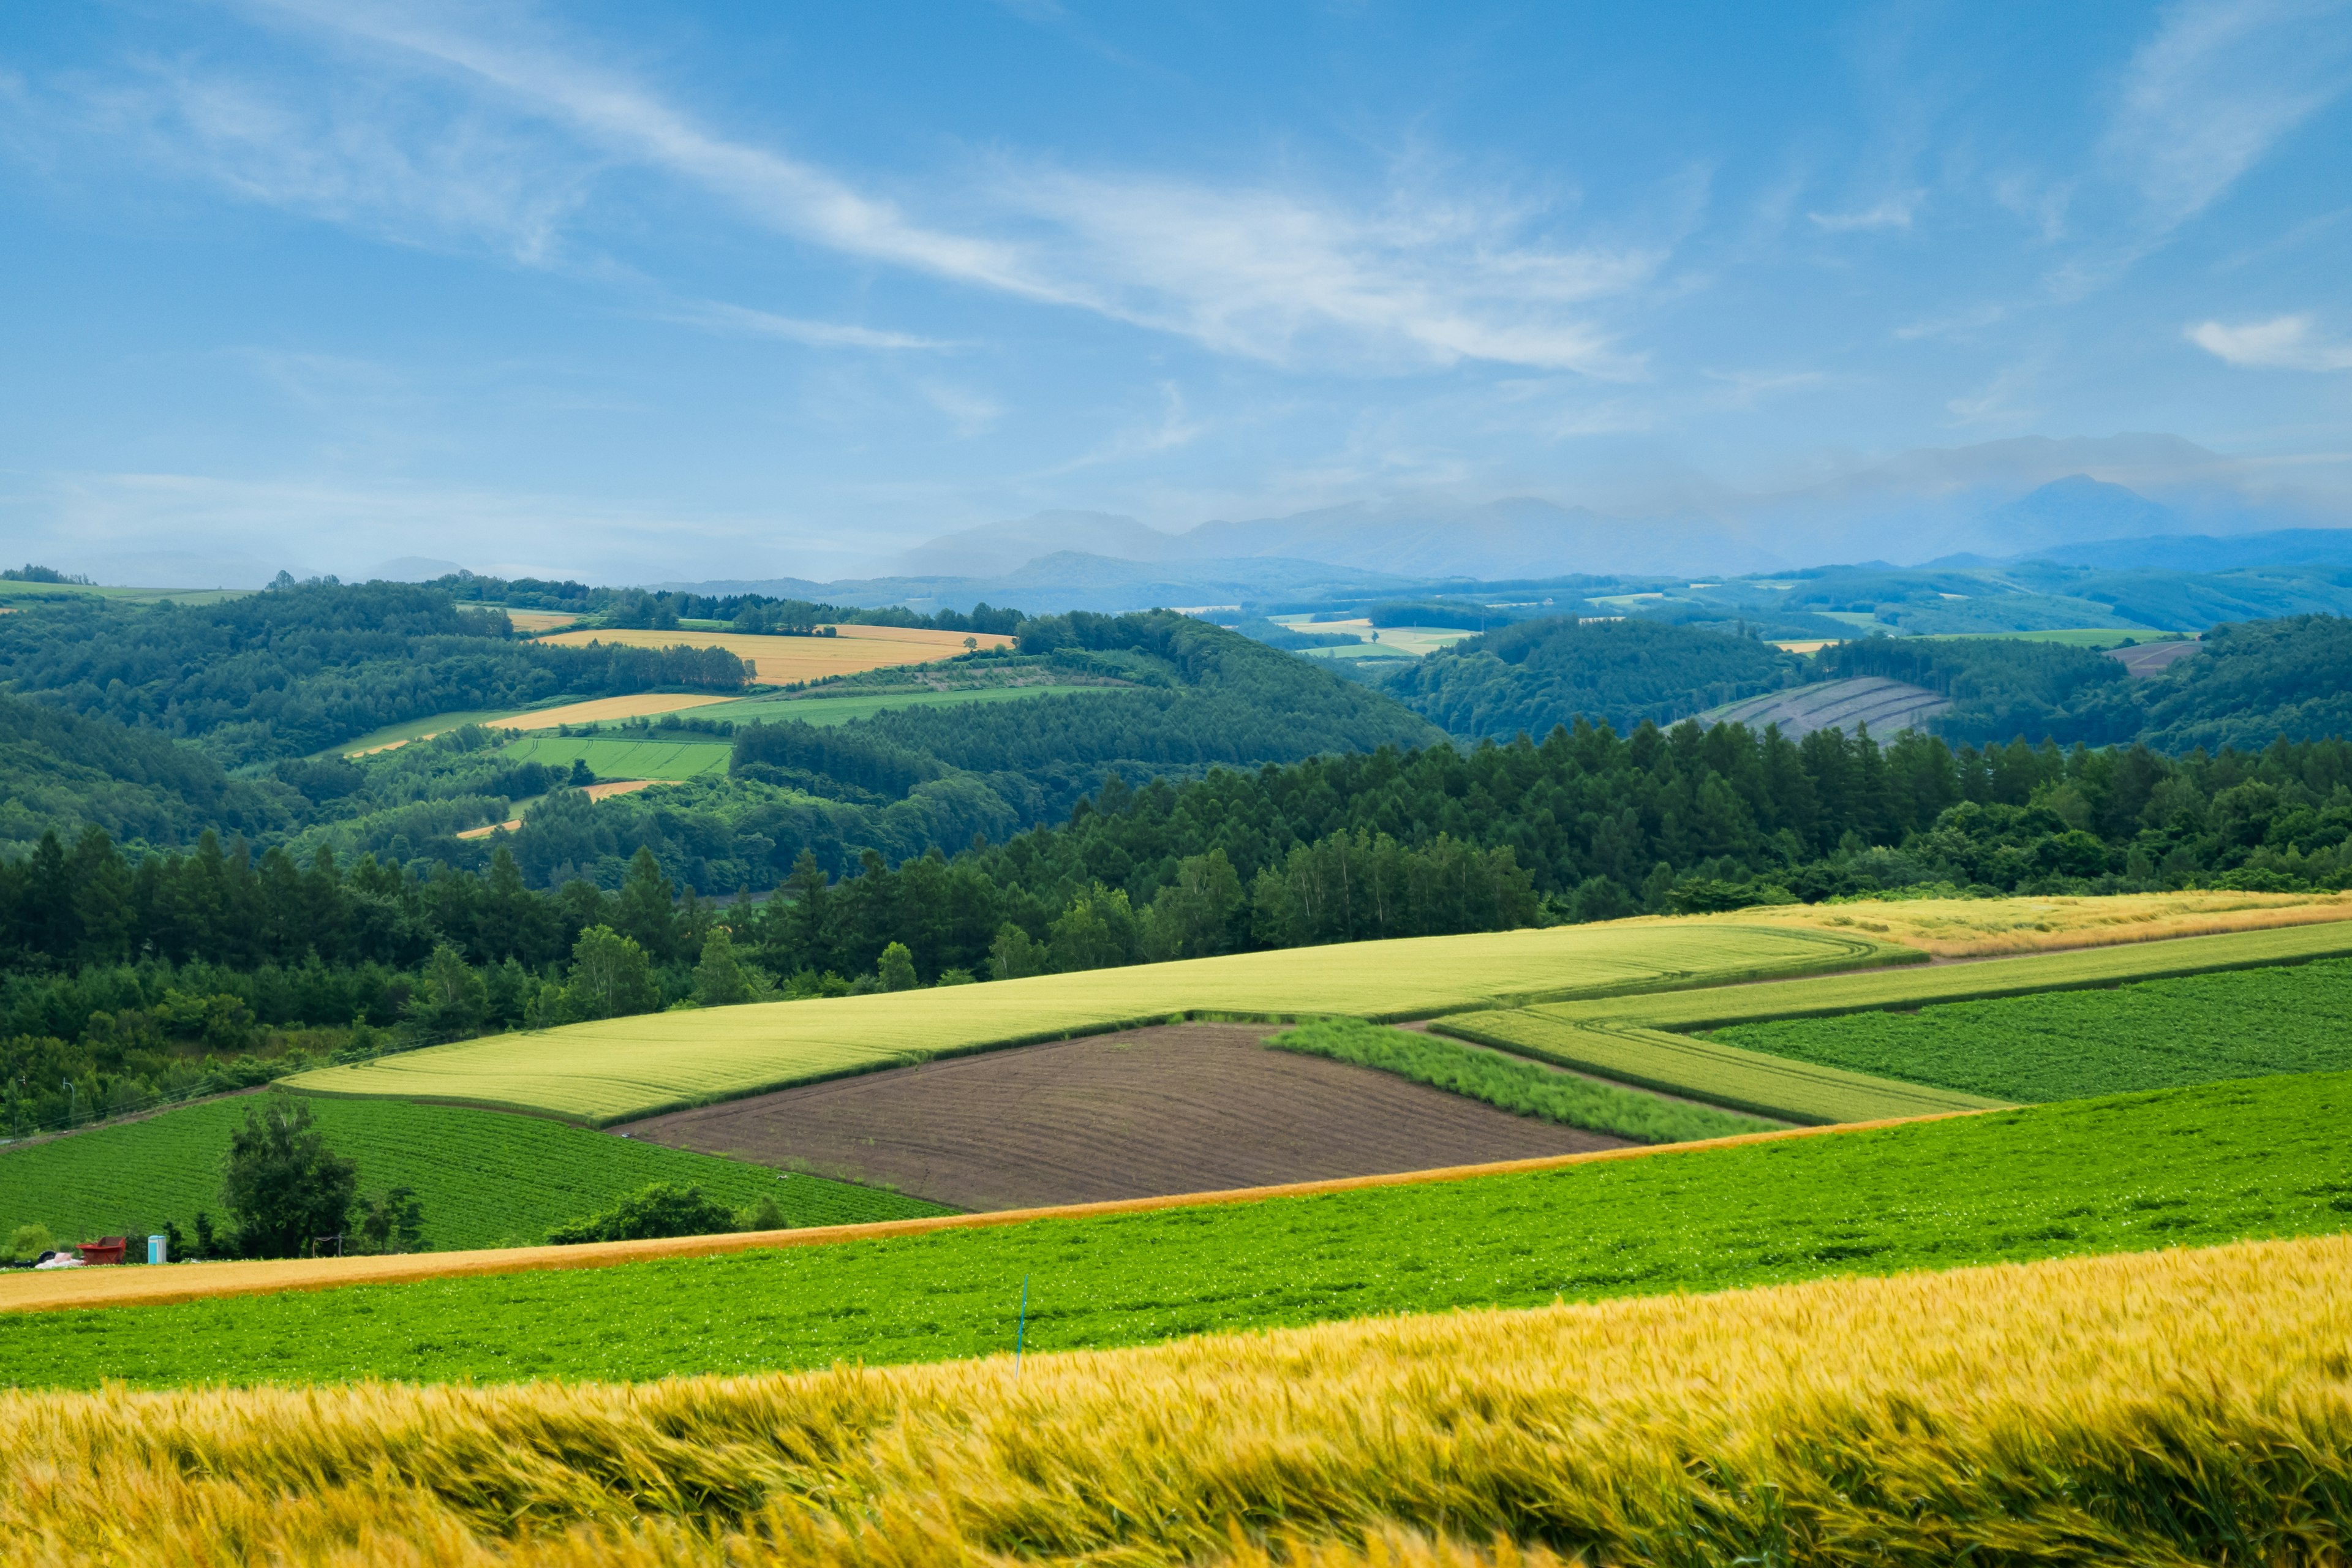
(749,289)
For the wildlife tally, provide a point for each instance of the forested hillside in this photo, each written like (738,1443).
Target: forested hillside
(299,667)
(1529,677)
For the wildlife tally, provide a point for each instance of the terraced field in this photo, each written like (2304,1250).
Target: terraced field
(1630,1039)
(486,1178)
(1886,706)
(623,1069)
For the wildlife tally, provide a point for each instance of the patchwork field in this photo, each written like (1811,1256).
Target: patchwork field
(2162,1407)
(1177,1109)
(1629,1039)
(624,1069)
(2157,1034)
(487,1178)
(624,759)
(1886,706)
(604,709)
(2262,1157)
(782,660)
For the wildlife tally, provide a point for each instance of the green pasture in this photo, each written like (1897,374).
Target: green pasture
(829,710)
(624,759)
(13,592)
(2264,1157)
(487,1178)
(1510,1084)
(622,1069)
(1646,1040)
(2065,1045)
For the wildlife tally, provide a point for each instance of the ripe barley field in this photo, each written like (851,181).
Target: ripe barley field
(2168,1407)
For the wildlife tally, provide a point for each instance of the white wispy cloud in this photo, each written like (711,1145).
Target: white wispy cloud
(2283,342)
(2219,84)
(1173,427)
(1892,212)
(719,316)
(436,122)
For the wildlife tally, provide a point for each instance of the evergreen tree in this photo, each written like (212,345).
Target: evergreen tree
(720,980)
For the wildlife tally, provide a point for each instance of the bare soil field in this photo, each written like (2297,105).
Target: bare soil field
(1174,1108)
(2148,659)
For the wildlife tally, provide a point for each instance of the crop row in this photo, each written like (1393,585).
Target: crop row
(2126,1173)
(2064,1045)
(1645,1040)
(624,759)
(624,1069)
(486,1178)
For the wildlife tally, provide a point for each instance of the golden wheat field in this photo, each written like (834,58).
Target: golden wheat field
(2175,1407)
(779,660)
(1981,928)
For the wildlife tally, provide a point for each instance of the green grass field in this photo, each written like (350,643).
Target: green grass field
(624,759)
(830,710)
(2185,1167)
(623,1069)
(1509,1084)
(1752,1081)
(1644,1040)
(487,1178)
(2157,1034)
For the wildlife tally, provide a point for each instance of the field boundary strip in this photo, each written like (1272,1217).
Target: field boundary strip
(1644,1041)
(145,1285)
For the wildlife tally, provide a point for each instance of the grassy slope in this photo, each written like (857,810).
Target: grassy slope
(487,1178)
(2158,1033)
(627,1068)
(1509,1084)
(2262,1157)
(680,756)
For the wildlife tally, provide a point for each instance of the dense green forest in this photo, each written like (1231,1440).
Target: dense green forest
(1527,678)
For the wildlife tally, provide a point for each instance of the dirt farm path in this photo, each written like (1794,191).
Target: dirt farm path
(1172,1109)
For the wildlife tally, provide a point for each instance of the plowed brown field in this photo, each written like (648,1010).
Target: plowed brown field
(1175,1108)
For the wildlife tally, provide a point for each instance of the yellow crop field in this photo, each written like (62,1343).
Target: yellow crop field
(2170,1407)
(622,1069)
(780,660)
(1977,928)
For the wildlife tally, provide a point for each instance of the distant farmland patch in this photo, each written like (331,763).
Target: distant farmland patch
(1886,706)
(624,759)
(782,660)
(1176,1109)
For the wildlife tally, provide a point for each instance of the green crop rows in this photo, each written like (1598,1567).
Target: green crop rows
(486,1178)
(1642,1040)
(2254,1158)
(1512,1084)
(676,759)
(2157,1034)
